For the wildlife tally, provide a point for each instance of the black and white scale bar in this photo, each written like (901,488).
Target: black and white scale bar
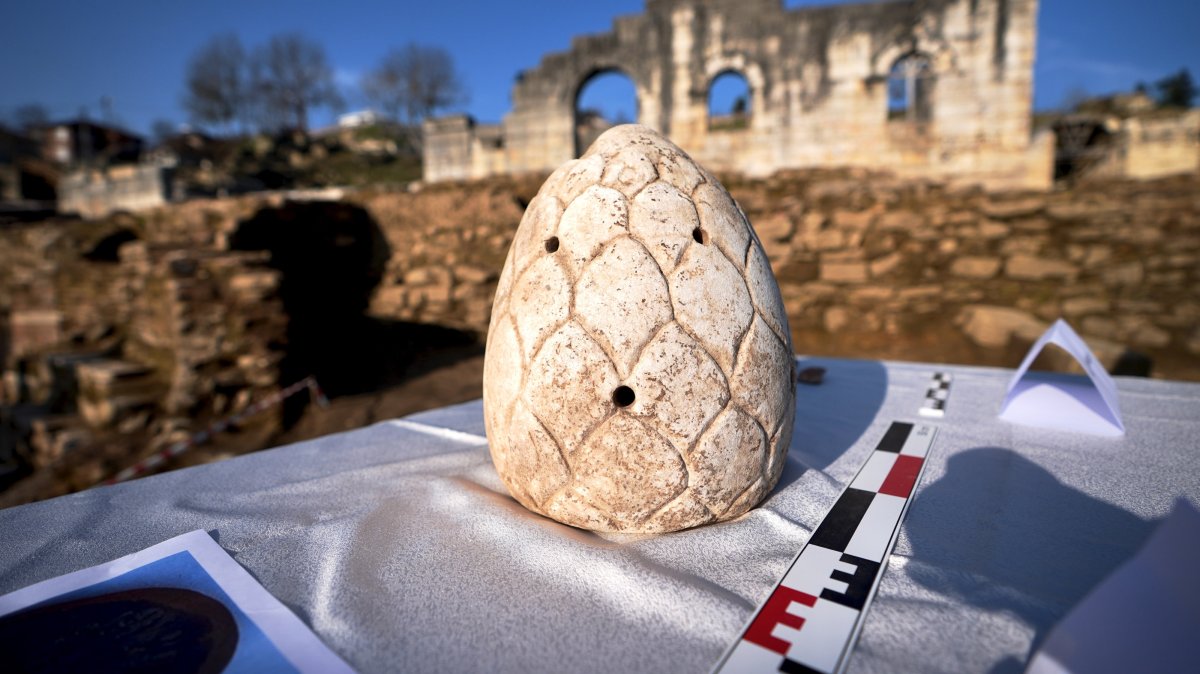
(812,618)
(934,404)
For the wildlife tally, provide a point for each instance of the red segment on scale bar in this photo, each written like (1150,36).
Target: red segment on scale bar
(902,476)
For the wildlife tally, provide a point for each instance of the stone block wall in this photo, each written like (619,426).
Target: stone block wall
(447,152)
(448,245)
(875,266)
(179,328)
(96,193)
(140,342)
(916,270)
(209,323)
(114,358)
(457,148)
(1161,145)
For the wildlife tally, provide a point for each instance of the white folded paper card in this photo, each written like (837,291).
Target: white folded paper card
(1142,618)
(1082,404)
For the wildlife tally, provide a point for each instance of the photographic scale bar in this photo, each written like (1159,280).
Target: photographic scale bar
(812,618)
(934,404)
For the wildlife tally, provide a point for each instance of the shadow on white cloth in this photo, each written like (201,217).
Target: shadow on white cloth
(832,416)
(1001,533)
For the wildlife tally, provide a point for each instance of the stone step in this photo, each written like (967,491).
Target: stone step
(108,377)
(33,330)
(103,412)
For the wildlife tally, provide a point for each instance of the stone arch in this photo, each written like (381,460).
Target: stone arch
(737,116)
(941,57)
(585,131)
(799,64)
(108,248)
(883,60)
(749,69)
(329,332)
(911,81)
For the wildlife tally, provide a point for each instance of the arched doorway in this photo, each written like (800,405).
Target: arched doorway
(910,89)
(605,99)
(108,248)
(729,99)
(331,256)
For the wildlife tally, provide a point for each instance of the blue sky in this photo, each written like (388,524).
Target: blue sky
(69,54)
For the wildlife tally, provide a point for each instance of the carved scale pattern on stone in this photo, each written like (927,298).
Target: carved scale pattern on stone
(639,368)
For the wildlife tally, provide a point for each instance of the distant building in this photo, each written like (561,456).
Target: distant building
(95,193)
(1126,136)
(352,120)
(1117,105)
(13,147)
(84,142)
(23,175)
(96,168)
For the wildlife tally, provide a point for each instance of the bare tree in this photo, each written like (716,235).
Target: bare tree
(218,83)
(292,76)
(413,82)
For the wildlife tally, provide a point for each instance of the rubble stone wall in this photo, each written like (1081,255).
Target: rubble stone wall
(914,270)
(108,335)
(108,357)
(873,266)
(869,266)
(96,193)
(448,244)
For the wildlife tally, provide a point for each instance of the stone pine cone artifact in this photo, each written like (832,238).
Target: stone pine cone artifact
(638,374)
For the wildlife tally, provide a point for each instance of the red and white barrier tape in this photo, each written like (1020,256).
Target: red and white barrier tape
(158,458)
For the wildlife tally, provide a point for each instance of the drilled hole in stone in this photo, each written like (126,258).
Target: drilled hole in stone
(552,244)
(623,396)
(700,235)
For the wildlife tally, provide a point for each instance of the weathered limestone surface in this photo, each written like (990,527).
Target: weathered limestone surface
(96,193)
(638,375)
(975,267)
(1149,145)
(818,91)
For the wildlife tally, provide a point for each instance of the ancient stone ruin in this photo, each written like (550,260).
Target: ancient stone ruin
(121,336)
(934,88)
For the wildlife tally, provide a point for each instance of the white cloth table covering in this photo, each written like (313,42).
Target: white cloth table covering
(400,547)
